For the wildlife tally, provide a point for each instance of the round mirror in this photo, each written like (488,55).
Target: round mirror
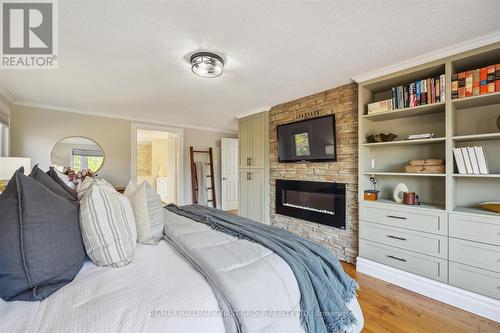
(77,153)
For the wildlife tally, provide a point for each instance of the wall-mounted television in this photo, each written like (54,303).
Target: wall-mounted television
(308,140)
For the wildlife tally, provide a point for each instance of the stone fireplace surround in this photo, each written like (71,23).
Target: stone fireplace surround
(341,101)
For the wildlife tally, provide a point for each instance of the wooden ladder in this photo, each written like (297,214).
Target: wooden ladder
(194,179)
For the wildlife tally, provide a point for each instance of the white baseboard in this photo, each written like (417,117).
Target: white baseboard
(463,299)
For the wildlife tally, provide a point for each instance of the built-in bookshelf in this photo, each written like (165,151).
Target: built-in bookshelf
(465,122)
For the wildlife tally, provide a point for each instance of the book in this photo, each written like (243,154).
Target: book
(394,98)
(468,164)
(413,94)
(459,161)
(481,159)
(406,96)
(417,92)
(428,90)
(475,82)
(473,160)
(420,136)
(468,84)
(497,77)
(442,88)
(461,85)
(433,90)
(437,89)
(483,76)
(423,92)
(454,86)
(382,106)
(400,98)
(490,79)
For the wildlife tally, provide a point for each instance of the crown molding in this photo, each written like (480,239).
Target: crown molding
(260,109)
(121,117)
(431,56)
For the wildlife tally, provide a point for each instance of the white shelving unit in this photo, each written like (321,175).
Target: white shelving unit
(448,238)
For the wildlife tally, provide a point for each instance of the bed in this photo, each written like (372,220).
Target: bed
(158,292)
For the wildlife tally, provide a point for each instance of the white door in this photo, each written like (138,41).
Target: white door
(229,173)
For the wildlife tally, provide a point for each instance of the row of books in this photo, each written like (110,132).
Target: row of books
(428,91)
(476,82)
(471,160)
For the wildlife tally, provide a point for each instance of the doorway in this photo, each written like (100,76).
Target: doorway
(157,157)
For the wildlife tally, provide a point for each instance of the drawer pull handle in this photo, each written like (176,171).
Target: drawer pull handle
(396,258)
(396,237)
(396,217)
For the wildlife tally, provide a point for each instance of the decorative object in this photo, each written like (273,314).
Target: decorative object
(381,137)
(382,106)
(372,195)
(78,177)
(410,198)
(400,188)
(78,153)
(433,166)
(492,206)
(207,65)
(9,165)
(427,162)
(431,169)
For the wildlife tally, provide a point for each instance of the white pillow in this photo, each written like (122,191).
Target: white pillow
(87,183)
(148,212)
(108,226)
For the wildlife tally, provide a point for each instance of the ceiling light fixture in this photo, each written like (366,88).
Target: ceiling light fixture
(206,64)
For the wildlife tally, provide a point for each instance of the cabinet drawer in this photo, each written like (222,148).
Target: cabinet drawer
(430,244)
(476,280)
(429,267)
(477,228)
(475,254)
(409,218)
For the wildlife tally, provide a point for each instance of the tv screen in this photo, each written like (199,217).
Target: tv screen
(307,140)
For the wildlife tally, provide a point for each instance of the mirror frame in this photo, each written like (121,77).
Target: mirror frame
(84,137)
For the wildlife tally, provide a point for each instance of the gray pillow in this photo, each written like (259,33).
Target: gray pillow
(47,181)
(41,247)
(54,175)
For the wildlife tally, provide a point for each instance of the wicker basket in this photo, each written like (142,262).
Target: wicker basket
(425,169)
(427,162)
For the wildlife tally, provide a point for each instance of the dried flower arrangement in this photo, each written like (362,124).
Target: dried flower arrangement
(78,176)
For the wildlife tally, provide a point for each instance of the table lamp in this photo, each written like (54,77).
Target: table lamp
(9,165)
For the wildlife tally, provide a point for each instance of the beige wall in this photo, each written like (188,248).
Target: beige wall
(202,140)
(34,131)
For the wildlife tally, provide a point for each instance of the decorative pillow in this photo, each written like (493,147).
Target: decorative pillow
(87,183)
(148,212)
(44,179)
(108,226)
(41,246)
(55,175)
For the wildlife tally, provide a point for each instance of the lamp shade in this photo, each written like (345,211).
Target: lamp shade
(9,165)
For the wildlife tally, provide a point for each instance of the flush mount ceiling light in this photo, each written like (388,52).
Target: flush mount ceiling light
(206,64)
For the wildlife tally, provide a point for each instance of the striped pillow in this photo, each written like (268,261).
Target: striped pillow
(108,226)
(148,211)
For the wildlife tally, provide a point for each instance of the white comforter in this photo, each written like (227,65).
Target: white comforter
(158,292)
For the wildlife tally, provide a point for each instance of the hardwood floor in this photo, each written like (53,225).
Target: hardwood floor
(391,309)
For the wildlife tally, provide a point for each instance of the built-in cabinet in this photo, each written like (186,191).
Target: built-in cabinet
(448,238)
(254,167)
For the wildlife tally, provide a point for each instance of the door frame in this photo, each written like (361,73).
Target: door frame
(180,152)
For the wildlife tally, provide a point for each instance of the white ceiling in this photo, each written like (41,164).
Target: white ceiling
(129,58)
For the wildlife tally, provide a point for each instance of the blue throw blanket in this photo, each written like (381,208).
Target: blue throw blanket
(324,286)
